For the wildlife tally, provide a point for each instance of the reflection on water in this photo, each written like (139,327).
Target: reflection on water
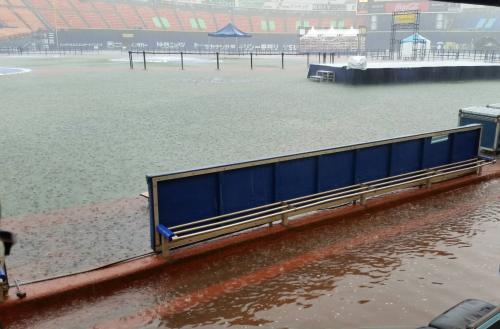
(400,266)
(363,267)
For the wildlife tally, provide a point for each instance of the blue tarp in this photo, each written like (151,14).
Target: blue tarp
(230,31)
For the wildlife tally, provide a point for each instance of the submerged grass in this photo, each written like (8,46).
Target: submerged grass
(81,129)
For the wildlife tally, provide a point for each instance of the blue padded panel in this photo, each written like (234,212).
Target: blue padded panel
(406,157)
(465,145)
(489,130)
(246,188)
(336,170)
(436,154)
(372,163)
(185,200)
(3,276)
(295,178)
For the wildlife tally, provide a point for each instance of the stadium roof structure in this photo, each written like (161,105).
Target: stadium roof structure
(229,31)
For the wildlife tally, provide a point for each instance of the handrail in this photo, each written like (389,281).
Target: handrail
(347,188)
(360,190)
(179,241)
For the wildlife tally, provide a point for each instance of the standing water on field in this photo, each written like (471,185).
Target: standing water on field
(83,129)
(394,268)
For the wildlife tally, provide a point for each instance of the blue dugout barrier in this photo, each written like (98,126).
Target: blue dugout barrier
(184,197)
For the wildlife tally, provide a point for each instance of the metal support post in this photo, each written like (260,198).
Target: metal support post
(284,217)
(165,250)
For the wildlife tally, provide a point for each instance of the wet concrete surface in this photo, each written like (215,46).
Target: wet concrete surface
(76,239)
(397,267)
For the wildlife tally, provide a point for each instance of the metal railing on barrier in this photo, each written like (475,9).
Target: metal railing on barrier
(194,205)
(201,230)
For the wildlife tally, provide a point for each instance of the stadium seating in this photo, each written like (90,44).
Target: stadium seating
(16,3)
(243,23)
(168,19)
(73,19)
(188,21)
(206,20)
(279,25)
(30,19)
(259,24)
(149,17)
(87,12)
(221,19)
(291,24)
(52,18)
(19,17)
(9,18)
(110,15)
(62,5)
(40,4)
(130,16)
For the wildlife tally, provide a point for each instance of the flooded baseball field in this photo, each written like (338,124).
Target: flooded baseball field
(394,268)
(79,134)
(83,129)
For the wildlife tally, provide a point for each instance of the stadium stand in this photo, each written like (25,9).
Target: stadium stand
(149,17)
(263,18)
(10,19)
(17,3)
(40,4)
(130,16)
(259,24)
(277,25)
(110,15)
(62,5)
(72,18)
(188,22)
(168,19)
(30,19)
(206,20)
(222,18)
(242,22)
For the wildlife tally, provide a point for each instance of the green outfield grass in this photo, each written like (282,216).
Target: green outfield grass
(81,129)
